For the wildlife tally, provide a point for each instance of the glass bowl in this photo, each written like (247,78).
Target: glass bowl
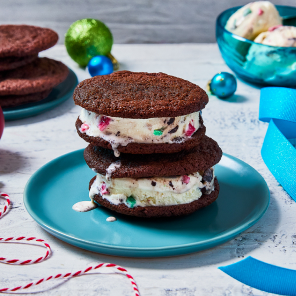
(255,62)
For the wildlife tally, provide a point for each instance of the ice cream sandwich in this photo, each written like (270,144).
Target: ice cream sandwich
(155,185)
(140,113)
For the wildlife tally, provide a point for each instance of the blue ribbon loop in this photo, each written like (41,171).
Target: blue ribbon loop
(263,276)
(278,107)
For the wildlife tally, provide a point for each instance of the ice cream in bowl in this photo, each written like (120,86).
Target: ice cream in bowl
(256,43)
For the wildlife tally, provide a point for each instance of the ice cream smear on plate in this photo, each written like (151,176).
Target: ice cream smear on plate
(84,206)
(253,19)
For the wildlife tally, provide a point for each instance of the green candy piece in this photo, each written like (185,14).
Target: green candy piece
(86,39)
(131,201)
(247,11)
(157,132)
(234,24)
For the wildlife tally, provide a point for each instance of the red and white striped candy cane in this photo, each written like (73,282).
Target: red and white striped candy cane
(117,269)
(6,205)
(29,240)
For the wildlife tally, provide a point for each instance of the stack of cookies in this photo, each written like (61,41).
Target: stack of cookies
(24,77)
(147,144)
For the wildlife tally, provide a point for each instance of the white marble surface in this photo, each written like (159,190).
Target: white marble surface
(30,143)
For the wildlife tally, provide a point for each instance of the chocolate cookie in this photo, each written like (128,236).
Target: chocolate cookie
(147,148)
(13,101)
(139,95)
(24,40)
(15,62)
(161,211)
(198,159)
(38,76)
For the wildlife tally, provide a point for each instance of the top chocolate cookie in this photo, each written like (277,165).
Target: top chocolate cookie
(139,95)
(24,40)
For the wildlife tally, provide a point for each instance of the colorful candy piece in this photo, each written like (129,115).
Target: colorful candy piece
(190,130)
(273,28)
(104,189)
(234,25)
(247,11)
(131,201)
(157,132)
(84,127)
(260,11)
(104,122)
(185,179)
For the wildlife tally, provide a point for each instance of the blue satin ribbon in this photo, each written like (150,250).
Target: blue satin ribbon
(263,276)
(278,107)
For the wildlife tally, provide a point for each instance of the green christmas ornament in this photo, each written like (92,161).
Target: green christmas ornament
(86,39)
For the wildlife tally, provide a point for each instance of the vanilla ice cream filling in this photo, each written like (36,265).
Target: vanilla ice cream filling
(155,191)
(122,131)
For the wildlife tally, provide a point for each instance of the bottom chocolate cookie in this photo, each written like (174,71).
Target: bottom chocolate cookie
(161,211)
(14,101)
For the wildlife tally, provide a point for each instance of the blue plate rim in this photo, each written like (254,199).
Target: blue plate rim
(226,236)
(21,113)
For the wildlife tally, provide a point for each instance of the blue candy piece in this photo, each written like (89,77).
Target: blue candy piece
(100,65)
(223,85)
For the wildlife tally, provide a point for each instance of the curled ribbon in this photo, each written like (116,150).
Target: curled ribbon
(263,276)
(278,107)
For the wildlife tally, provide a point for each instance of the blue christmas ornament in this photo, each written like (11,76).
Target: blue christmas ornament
(223,85)
(100,65)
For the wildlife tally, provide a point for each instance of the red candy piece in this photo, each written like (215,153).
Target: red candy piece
(84,127)
(190,130)
(104,189)
(273,28)
(260,11)
(185,179)
(104,122)
(1,122)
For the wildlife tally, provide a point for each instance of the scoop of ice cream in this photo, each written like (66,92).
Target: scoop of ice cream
(253,19)
(280,36)
(271,64)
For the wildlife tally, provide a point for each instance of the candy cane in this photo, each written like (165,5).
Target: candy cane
(23,239)
(118,269)
(6,205)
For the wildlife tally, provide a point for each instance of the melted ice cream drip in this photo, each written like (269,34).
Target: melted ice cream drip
(112,168)
(84,206)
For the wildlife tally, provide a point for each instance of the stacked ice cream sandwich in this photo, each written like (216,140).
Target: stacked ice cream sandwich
(25,78)
(147,144)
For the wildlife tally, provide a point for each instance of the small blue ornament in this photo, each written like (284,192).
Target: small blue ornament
(223,85)
(100,65)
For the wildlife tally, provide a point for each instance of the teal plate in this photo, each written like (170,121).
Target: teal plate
(53,190)
(58,95)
